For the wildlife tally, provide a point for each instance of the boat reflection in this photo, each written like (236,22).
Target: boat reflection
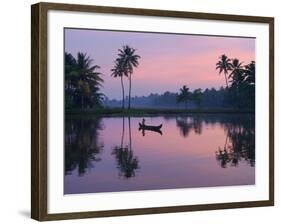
(102,155)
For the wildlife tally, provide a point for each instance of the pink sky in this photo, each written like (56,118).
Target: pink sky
(168,61)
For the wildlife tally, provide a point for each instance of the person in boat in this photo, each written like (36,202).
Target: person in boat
(143,122)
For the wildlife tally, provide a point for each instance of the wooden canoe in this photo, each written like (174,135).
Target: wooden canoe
(150,127)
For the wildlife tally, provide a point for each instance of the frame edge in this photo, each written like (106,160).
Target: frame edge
(39,111)
(35,190)
(271,111)
(154,12)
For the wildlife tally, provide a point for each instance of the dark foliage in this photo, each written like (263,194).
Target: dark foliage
(82,82)
(82,147)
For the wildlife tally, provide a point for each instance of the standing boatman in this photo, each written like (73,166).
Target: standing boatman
(143,120)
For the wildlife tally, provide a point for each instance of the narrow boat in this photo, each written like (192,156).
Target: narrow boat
(150,127)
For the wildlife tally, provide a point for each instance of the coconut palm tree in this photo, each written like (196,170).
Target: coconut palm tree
(197,96)
(128,60)
(184,95)
(224,66)
(250,71)
(70,76)
(236,69)
(90,80)
(243,84)
(69,68)
(117,72)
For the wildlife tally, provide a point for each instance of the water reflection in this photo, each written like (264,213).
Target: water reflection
(194,152)
(187,124)
(127,163)
(239,144)
(239,141)
(143,130)
(82,147)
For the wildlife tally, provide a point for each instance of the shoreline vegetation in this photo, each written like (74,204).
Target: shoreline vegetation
(152,111)
(84,84)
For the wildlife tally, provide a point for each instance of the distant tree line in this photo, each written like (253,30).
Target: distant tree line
(210,98)
(239,92)
(83,82)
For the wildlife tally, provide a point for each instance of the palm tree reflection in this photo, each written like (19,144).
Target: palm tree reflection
(81,145)
(127,163)
(239,141)
(187,124)
(241,144)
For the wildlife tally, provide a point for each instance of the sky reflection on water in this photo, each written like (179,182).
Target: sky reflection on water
(112,154)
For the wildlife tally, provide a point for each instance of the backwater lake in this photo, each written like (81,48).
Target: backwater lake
(111,154)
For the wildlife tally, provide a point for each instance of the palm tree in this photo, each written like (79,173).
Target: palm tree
(184,95)
(236,69)
(69,68)
(224,66)
(117,72)
(70,76)
(89,79)
(250,71)
(237,81)
(197,96)
(243,83)
(128,61)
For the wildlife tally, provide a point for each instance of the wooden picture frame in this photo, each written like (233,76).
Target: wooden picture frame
(39,110)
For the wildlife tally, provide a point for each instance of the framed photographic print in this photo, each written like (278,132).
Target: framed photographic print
(139,111)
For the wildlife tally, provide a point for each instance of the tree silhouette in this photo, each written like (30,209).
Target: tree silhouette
(82,81)
(118,72)
(128,60)
(197,97)
(236,69)
(224,66)
(241,93)
(184,95)
(89,78)
(250,71)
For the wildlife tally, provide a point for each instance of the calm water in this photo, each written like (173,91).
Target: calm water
(111,154)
